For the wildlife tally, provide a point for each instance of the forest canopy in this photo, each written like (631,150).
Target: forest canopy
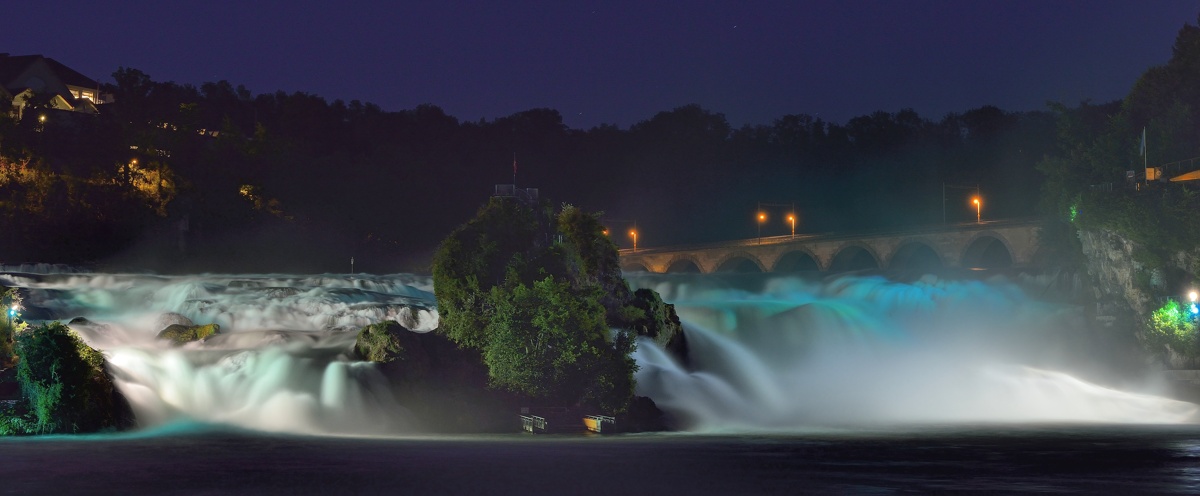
(216,177)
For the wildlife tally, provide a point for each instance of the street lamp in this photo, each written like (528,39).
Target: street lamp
(792,219)
(762,218)
(978,206)
(633,234)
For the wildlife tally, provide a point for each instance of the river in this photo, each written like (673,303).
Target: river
(854,384)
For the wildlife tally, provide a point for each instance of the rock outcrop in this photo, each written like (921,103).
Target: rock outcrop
(179,334)
(1128,291)
(443,385)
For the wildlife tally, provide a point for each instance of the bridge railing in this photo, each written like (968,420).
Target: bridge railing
(847,235)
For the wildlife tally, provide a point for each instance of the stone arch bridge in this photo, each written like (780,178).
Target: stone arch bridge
(991,244)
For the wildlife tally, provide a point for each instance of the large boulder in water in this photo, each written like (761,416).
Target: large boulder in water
(382,342)
(179,334)
(444,386)
(171,318)
(648,315)
(643,416)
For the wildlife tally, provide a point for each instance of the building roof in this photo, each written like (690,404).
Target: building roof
(12,66)
(71,76)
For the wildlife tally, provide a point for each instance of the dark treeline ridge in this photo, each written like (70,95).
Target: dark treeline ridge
(175,177)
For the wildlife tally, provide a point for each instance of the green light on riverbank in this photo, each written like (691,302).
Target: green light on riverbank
(1173,325)
(1074,212)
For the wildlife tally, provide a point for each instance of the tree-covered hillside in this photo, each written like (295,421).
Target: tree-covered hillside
(216,177)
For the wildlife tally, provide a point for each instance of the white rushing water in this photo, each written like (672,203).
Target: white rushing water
(795,354)
(864,350)
(281,363)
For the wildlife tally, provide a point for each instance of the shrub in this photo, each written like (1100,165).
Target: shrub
(9,326)
(1171,326)
(63,382)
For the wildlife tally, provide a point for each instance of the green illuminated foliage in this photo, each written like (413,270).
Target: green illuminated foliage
(64,383)
(1172,326)
(9,326)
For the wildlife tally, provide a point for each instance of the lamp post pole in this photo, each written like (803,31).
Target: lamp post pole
(973,199)
(762,217)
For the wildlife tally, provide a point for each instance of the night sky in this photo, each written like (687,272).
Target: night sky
(622,62)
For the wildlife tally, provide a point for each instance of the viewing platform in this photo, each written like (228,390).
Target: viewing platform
(562,420)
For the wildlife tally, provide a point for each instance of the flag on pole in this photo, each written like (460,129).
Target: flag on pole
(1141,148)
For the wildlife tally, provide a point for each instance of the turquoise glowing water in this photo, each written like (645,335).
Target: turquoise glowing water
(788,356)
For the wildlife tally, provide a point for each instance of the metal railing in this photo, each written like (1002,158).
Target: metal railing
(597,422)
(533,423)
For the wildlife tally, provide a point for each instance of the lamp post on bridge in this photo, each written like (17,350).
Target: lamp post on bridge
(790,217)
(975,200)
(762,217)
(632,224)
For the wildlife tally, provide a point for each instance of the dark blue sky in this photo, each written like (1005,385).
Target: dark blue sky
(621,62)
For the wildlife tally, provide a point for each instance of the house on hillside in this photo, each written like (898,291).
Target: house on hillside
(24,77)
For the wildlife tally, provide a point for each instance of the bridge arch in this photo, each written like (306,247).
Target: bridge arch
(915,254)
(635,267)
(799,260)
(854,256)
(684,264)
(739,261)
(987,250)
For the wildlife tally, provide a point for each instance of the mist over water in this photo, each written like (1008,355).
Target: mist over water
(865,350)
(281,363)
(783,355)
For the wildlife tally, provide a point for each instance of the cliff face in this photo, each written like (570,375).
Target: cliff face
(1125,290)
(1116,274)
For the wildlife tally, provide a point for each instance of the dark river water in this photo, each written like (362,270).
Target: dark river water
(1090,459)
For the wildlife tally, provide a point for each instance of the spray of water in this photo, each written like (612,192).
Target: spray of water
(282,362)
(869,351)
(790,355)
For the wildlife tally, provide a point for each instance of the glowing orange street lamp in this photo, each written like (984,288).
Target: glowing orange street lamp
(762,218)
(978,205)
(792,219)
(633,234)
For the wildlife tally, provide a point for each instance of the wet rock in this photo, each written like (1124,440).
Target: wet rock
(179,334)
(171,318)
